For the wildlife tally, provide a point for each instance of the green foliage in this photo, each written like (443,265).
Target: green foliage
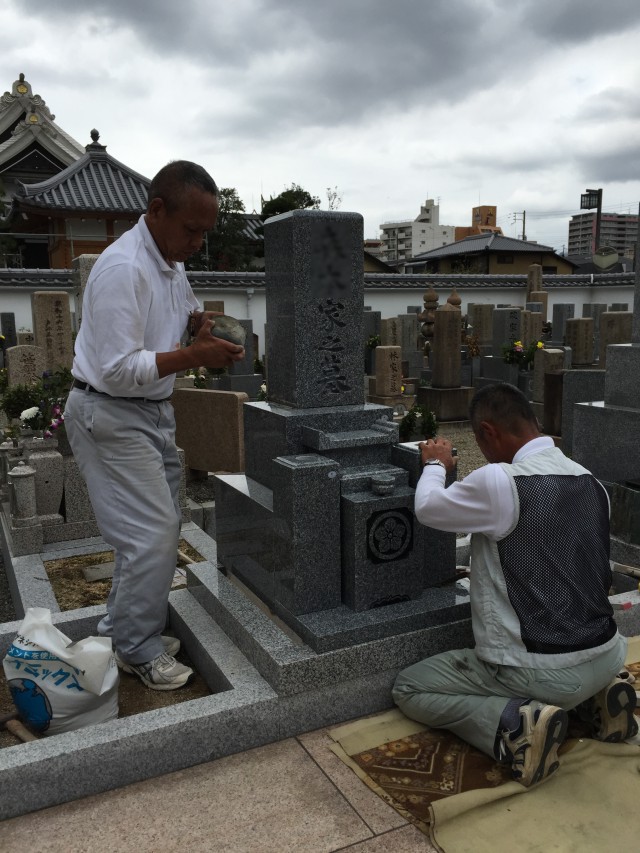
(373,342)
(226,247)
(48,395)
(17,398)
(258,365)
(293,198)
(418,419)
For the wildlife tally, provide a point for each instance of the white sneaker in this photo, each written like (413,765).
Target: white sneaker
(161,673)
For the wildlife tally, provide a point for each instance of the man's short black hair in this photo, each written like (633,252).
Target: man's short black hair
(174,178)
(501,404)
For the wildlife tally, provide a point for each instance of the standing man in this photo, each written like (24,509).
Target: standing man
(545,638)
(136,308)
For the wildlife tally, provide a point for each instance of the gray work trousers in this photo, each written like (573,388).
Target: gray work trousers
(127,454)
(457,691)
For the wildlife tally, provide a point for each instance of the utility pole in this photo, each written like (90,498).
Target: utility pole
(516,216)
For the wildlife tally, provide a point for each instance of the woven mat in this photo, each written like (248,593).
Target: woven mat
(467,803)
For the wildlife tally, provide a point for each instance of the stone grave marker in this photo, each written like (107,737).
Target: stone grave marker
(25,365)
(52,328)
(615,328)
(579,337)
(8,326)
(595,310)
(562,312)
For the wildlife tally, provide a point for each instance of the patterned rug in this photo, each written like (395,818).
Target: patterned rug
(414,768)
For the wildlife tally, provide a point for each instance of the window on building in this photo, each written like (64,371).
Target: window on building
(504,259)
(549,270)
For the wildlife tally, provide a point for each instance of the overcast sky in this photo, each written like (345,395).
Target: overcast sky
(518,103)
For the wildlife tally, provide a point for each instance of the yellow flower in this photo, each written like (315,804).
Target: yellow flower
(539,344)
(517,343)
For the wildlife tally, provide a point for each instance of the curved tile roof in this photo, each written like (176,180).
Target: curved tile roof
(372,281)
(96,183)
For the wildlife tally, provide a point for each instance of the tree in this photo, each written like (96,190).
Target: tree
(334,198)
(293,198)
(225,248)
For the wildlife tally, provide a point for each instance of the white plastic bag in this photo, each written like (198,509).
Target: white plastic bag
(58,685)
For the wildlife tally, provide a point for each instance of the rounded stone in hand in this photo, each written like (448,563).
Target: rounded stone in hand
(229,329)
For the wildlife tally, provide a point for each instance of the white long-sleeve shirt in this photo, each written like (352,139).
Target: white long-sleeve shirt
(134,306)
(481,503)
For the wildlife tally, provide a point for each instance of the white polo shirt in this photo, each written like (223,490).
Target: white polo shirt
(134,306)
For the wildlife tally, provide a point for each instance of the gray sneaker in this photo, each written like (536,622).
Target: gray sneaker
(610,712)
(161,673)
(533,747)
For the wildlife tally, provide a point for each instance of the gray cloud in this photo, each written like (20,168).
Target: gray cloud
(613,103)
(618,163)
(575,21)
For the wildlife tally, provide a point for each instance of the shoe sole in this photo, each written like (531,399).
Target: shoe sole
(541,758)
(152,685)
(619,701)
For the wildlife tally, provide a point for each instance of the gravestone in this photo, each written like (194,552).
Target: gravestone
(216,305)
(534,280)
(304,528)
(388,372)
(531,327)
(8,327)
(605,432)
(446,397)
(595,310)
(390,332)
(506,328)
(370,329)
(26,339)
(579,337)
(25,365)
(81,268)
(482,326)
(209,428)
(615,328)
(52,328)
(562,312)
(540,296)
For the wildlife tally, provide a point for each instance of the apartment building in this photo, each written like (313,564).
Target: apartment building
(617,230)
(402,240)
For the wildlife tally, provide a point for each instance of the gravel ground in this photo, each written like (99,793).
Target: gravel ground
(469,456)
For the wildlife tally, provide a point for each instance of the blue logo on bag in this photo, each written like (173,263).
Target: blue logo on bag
(31,702)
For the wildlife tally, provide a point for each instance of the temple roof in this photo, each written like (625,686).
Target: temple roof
(95,184)
(25,119)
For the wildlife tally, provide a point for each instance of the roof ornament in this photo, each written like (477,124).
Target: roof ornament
(95,146)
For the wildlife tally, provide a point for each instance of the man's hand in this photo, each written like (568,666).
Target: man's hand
(208,351)
(197,318)
(440,449)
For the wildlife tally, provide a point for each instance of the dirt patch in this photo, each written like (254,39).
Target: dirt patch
(73,591)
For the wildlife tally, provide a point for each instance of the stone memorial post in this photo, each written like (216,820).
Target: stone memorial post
(52,328)
(8,326)
(562,312)
(390,332)
(615,328)
(25,365)
(534,281)
(388,372)
(543,297)
(579,336)
(81,267)
(595,310)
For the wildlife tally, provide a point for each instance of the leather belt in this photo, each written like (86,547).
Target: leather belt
(84,386)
